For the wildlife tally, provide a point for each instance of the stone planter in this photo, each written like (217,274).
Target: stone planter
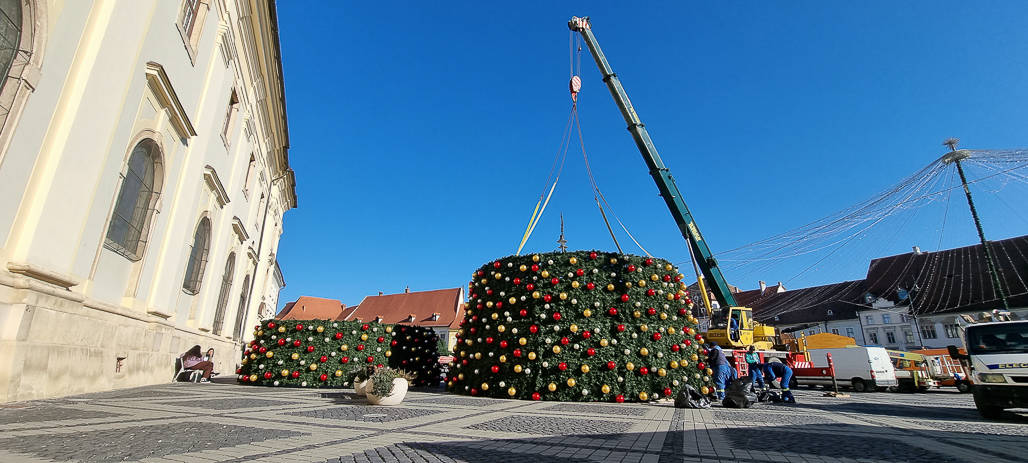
(395,396)
(360,387)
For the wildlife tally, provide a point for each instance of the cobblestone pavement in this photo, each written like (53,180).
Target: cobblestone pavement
(226,422)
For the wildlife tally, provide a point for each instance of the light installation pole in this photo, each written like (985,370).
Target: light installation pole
(955,156)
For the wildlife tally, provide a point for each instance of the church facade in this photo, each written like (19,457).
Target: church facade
(144,175)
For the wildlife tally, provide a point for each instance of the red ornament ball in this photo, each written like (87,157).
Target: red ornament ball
(675,348)
(296,343)
(547,298)
(624,298)
(533,329)
(590,286)
(611,365)
(535,267)
(651,311)
(649,262)
(580,272)
(338,336)
(620,399)
(701,365)
(344,360)
(656,336)
(621,327)
(556,316)
(271,325)
(496,264)
(667,391)
(530,286)
(517,352)
(564,341)
(281,342)
(523,313)
(360,347)
(562,366)
(554,280)
(365,327)
(299,327)
(503,344)
(612,311)
(650,292)
(323,359)
(495,368)
(323,377)
(592,255)
(590,351)
(371,359)
(310,348)
(267,375)
(587,334)
(381,339)
(631,268)
(644,371)
(517,281)
(536,396)
(295,374)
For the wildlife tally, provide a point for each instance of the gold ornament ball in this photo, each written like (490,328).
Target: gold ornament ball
(630,366)
(536,295)
(364,336)
(253,356)
(552,387)
(344,347)
(683,363)
(545,274)
(389,353)
(709,371)
(575,284)
(573,260)
(501,328)
(489,304)
(512,392)
(604,343)
(253,378)
(556,349)
(269,354)
(389,329)
(512,300)
(522,341)
(260,333)
(245,361)
(281,329)
(320,329)
(613,260)
(585,368)
(478,356)
(610,286)
(668,267)
(663,316)
(523,267)
(294,356)
(704,390)
(673,365)
(531,355)
(661,372)
(563,296)
(694,357)
(517,368)
(587,313)
(644,351)
(572,382)
(460,376)
(468,342)
(339,373)
(654,277)
(637,314)
(644,396)
(670,297)
(605,389)
(314,366)
(498,275)
(495,315)
(485,281)
(628,284)
(284,372)
(503,359)
(535,258)
(485,386)
(641,283)
(573,328)
(644,327)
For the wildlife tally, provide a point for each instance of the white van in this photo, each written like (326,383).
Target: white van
(862,368)
(998,356)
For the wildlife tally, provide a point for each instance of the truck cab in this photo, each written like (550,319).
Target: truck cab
(997,354)
(912,371)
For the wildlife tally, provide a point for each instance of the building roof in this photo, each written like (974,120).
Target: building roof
(953,280)
(750,297)
(837,301)
(439,308)
(312,308)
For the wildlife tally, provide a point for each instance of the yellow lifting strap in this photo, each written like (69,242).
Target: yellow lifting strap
(536,215)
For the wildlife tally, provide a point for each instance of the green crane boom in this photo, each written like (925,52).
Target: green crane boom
(661,174)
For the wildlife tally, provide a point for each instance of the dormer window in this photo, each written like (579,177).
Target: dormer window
(830,313)
(378,319)
(435,316)
(410,317)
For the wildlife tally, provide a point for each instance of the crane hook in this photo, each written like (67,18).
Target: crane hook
(575,85)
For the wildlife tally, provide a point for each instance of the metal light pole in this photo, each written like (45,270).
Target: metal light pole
(955,156)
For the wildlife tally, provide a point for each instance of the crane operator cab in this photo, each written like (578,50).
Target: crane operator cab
(740,330)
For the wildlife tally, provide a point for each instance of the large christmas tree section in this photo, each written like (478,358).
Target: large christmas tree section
(580,326)
(326,353)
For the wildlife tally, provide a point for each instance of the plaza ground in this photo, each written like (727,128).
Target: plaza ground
(187,422)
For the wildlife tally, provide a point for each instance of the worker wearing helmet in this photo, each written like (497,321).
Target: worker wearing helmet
(723,371)
(774,370)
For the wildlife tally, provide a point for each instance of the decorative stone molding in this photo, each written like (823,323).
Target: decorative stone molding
(161,87)
(239,229)
(210,176)
(39,273)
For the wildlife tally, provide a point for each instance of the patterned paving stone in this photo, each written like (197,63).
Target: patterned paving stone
(601,409)
(458,401)
(550,425)
(228,404)
(150,393)
(448,452)
(1008,430)
(896,410)
(787,417)
(831,445)
(366,413)
(37,414)
(137,442)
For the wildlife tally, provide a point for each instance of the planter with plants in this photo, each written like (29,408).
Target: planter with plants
(388,386)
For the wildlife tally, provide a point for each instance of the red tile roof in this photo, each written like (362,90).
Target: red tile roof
(313,308)
(423,305)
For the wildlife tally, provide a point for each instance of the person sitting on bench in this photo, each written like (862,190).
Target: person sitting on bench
(193,360)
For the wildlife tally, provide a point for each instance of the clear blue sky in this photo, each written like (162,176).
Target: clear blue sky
(422,132)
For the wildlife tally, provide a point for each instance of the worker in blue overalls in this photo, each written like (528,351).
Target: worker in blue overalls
(774,370)
(723,371)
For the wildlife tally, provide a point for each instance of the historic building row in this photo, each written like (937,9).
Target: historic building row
(144,175)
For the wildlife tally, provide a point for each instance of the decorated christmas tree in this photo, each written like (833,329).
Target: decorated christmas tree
(326,353)
(578,326)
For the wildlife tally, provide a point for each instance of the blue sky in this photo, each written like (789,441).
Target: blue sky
(422,133)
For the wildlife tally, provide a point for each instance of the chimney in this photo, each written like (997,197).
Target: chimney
(406,290)
(762,285)
(917,249)
(380,293)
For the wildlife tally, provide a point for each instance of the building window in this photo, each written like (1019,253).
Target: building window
(190,23)
(230,117)
(197,257)
(10,34)
(952,330)
(835,331)
(928,331)
(849,332)
(810,332)
(903,318)
(870,319)
(224,293)
(237,333)
(890,337)
(873,337)
(886,318)
(908,336)
(137,198)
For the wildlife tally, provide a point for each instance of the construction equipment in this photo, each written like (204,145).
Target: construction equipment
(912,372)
(947,370)
(732,326)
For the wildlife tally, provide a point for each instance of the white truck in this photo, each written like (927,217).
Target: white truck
(861,368)
(997,359)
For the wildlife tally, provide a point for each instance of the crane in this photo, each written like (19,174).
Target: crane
(748,332)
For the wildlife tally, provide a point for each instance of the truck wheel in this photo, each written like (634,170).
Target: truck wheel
(923,388)
(793,383)
(859,386)
(989,412)
(963,386)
